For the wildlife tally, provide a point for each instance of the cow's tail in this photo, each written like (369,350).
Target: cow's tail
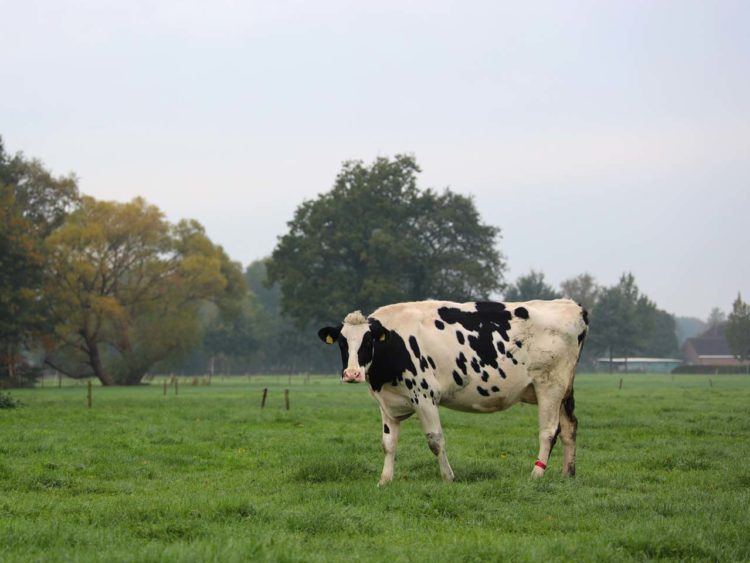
(584,331)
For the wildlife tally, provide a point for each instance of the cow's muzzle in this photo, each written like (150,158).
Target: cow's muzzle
(353,376)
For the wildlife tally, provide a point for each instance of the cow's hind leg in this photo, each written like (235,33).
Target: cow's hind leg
(549,400)
(430,419)
(568,428)
(391,429)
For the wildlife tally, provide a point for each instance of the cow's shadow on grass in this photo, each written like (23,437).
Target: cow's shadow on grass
(333,471)
(472,472)
(476,473)
(340,470)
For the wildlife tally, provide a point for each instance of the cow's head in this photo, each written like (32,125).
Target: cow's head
(357,338)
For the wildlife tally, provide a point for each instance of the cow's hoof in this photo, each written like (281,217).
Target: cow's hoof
(537,472)
(383,482)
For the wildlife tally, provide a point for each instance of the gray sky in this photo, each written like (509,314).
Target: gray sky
(601,136)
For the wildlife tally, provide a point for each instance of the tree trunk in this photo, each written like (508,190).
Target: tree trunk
(11,365)
(95,361)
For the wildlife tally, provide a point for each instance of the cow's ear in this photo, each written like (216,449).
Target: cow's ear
(379,332)
(329,334)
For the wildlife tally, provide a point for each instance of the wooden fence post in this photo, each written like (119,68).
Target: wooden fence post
(176,385)
(710,382)
(265,394)
(286,398)
(621,383)
(165,387)
(88,395)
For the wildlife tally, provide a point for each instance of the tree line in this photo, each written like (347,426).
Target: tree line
(113,290)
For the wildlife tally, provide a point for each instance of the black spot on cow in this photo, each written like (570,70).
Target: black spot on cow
(495,389)
(485,376)
(344,347)
(364,354)
(581,337)
(501,372)
(483,392)
(515,362)
(461,362)
(585,315)
(390,361)
(460,337)
(553,439)
(386,430)
(475,365)
(519,344)
(509,354)
(500,347)
(521,312)
(432,393)
(424,384)
(457,378)
(488,319)
(424,395)
(569,406)
(423,363)
(409,384)
(414,347)
(439,325)
(431,362)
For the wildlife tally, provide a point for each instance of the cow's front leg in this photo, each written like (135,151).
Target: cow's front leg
(391,429)
(430,419)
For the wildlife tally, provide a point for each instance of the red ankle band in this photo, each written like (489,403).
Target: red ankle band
(540,464)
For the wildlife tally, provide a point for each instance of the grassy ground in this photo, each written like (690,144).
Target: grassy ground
(208,475)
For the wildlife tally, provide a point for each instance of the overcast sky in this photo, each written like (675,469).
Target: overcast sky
(600,136)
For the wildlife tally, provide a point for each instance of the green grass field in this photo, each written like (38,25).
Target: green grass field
(207,475)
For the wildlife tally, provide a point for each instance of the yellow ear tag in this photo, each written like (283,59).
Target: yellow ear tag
(382,338)
(329,339)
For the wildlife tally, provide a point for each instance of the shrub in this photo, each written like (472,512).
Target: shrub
(8,402)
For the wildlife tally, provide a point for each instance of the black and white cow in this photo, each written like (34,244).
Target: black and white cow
(474,357)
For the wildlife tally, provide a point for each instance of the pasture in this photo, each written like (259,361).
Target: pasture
(207,475)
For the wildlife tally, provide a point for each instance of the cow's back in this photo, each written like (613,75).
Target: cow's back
(484,356)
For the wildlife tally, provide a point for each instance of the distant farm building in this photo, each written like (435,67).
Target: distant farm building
(638,365)
(710,349)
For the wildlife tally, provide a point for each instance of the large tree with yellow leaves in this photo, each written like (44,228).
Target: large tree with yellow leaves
(125,288)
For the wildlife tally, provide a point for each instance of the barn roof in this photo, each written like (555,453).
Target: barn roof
(712,342)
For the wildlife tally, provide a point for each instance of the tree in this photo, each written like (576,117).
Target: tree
(657,330)
(625,322)
(376,238)
(738,329)
(40,198)
(125,288)
(614,327)
(531,286)
(582,289)
(32,204)
(716,317)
